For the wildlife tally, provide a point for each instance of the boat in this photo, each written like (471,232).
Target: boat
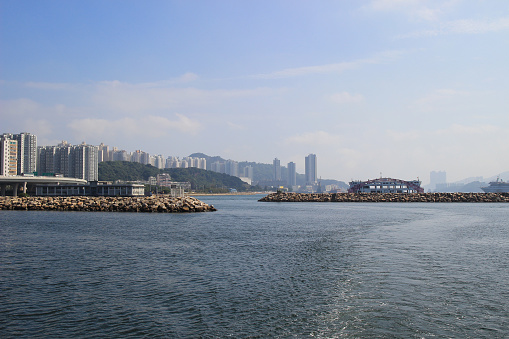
(498,186)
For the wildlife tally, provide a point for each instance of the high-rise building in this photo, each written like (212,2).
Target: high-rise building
(46,162)
(8,155)
(104,153)
(292,174)
(81,161)
(311,177)
(248,172)
(27,152)
(232,168)
(277,169)
(437,178)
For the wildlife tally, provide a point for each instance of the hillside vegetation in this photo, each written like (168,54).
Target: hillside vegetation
(201,180)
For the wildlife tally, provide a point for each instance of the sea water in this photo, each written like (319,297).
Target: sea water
(258,270)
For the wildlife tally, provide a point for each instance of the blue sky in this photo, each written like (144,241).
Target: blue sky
(398,87)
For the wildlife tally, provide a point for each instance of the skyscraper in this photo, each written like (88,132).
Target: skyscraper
(292,174)
(277,169)
(311,169)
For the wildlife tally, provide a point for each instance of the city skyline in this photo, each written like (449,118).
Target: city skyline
(399,87)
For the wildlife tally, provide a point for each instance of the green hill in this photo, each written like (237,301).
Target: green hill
(201,180)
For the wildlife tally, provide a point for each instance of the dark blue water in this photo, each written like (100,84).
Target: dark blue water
(258,270)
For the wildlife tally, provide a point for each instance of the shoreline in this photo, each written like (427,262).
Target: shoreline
(219,194)
(154,204)
(387,197)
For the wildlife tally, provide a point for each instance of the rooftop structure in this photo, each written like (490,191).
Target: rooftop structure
(385,185)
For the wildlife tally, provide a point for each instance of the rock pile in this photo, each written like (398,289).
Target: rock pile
(386,197)
(161,204)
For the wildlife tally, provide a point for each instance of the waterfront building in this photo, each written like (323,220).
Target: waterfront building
(292,174)
(311,167)
(276,169)
(91,189)
(385,185)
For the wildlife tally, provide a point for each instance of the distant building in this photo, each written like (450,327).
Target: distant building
(276,169)
(385,185)
(218,167)
(186,162)
(311,167)
(248,172)
(164,179)
(232,168)
(103,153)
(292,174)
(437,178)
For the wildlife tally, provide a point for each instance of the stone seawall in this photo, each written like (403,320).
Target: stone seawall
(161,204)
(386,197)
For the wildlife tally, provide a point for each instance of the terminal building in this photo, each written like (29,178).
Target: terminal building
(386,185)
(93,188)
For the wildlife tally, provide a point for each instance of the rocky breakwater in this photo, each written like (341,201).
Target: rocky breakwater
(155,204)
(386,197)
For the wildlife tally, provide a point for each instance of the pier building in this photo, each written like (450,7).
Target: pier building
(385,185)
(93,188)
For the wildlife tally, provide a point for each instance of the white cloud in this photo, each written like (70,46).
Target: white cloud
(345,98)
(441,99)
(188,77)
(135,98)
(234,126)
(50,86)
(427,10)
(314,139)
(149,127)
(466,26)
(335,68)
(467,131)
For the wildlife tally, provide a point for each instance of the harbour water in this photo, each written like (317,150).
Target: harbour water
(258,270)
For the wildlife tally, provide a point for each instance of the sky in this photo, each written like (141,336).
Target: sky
(396,88)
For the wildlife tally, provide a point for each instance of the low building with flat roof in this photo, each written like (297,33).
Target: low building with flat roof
(385,185)
(94,188)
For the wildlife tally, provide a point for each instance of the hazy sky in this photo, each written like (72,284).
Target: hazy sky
(398,87)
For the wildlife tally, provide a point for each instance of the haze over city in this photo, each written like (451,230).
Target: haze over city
(384,86)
